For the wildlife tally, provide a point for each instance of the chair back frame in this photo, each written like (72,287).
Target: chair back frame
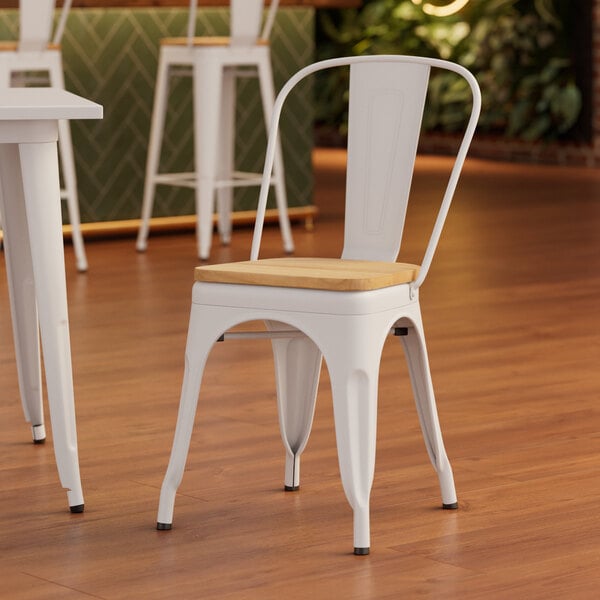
(35,24)
(245,21)
(387,97)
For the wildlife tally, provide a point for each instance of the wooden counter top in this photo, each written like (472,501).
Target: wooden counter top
(167,3)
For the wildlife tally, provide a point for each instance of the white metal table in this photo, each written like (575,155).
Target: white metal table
(33,243)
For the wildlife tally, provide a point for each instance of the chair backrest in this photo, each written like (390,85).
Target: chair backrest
(387,98)
(35,23)
(245,21)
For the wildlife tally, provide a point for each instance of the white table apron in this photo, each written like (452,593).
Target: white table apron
(32,227)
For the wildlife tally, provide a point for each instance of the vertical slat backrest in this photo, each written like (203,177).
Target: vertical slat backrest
(387,97)
(35,24)
(245,21)
(384,121)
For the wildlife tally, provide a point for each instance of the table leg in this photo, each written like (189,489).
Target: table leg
(41,191)
(21,290)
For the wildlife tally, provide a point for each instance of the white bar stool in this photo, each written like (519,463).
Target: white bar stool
(33,243)
(36,59)
(214,64)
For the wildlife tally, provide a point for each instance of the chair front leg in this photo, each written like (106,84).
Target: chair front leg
(199,343)
(353,364)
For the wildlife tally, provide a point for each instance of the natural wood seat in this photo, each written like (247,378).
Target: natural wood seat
(205,41)
(334,274)
(12,46)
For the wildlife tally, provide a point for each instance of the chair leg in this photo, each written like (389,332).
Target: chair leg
(297,371)
(23,306)
(157,125)
(267,92)
(353,365)
(207,105)
(226,146)
(420,376)
(199,344)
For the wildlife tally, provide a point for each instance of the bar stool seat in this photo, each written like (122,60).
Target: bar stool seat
(214,63)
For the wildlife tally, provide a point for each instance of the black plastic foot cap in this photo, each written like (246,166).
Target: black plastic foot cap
(361,551)
(76,509)
(41,441)
(291,488)
(452,506)
(164,526)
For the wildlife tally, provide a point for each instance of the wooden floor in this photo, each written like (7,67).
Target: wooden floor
(511,308)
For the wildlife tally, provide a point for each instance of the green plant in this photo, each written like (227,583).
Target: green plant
(517,49)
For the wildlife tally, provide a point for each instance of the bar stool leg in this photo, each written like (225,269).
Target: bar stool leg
(41,190)
(21,291)
(159,109)
(265,78)
(67,163)
(207,106)
(226,165)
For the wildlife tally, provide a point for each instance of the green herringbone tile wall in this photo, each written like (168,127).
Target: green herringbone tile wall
(110,56)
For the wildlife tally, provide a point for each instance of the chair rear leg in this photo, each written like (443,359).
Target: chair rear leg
(297,371)
(420,376)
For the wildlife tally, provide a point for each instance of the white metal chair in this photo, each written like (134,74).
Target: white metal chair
(341,309)
(36,59)
(215,64)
